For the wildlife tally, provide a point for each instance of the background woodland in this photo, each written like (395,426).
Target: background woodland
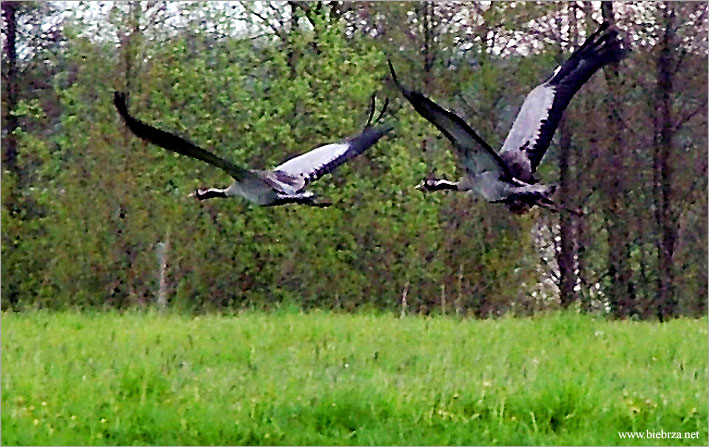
(87,208)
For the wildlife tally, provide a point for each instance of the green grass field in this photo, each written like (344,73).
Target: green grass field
(323,378)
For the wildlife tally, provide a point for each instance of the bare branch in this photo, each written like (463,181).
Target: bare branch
(689,115)
(551,270)
(685,50)
(267,22)
(698,180)
(153,10)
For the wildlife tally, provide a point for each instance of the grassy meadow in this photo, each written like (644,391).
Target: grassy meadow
(327,378)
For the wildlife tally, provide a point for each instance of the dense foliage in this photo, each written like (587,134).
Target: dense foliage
(85,204)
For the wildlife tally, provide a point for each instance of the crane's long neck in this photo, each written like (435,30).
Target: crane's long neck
(430,185)
(444,184)
(210,193)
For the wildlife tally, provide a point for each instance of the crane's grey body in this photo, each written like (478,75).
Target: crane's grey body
(283,184)
(517,195)
(508,177)
(493,190)
(263,188)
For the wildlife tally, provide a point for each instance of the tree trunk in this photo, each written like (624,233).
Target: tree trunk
(129,35)
(663,173)
(9,146)
(429,55)
(566,255)
(587,275)
(9,141)
(425,13)
(163,249)
(291,35)
(621,290)
(130,45)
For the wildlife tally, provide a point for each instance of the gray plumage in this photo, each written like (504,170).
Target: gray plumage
(543,107)
(508,177)
(281,185)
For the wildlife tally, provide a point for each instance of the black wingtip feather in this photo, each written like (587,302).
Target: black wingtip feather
(393,76)
(170,141)
(119,100)
(371,109)
(603,46)
(591,40)
(383,111)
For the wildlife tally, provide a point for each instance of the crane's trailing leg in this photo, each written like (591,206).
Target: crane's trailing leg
(549,204)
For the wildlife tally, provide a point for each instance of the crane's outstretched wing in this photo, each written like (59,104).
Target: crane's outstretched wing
(312,165)
(173,143)
(541,111)
(475,154)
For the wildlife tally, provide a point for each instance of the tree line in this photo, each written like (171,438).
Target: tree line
(93,217)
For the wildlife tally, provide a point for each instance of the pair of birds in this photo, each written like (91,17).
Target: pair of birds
(506,177)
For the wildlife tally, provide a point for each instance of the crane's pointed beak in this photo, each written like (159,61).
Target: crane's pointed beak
(197,194)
